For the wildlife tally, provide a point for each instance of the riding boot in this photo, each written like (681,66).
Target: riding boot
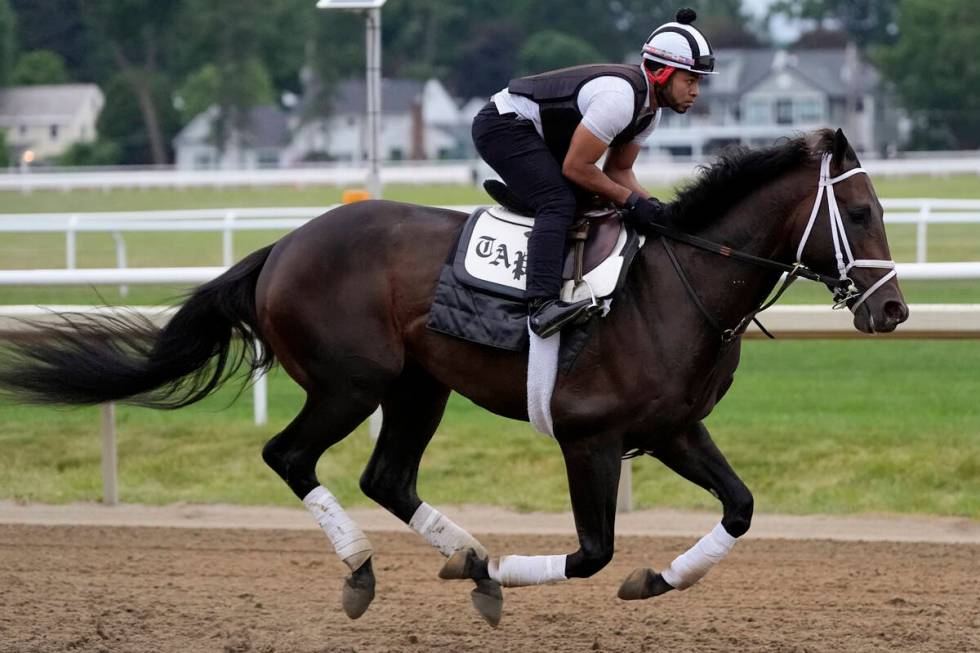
(548,316)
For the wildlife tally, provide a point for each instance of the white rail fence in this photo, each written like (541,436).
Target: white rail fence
(665,171)
(921,212)
(955,321)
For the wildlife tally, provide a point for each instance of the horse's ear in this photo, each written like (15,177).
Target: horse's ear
(840,149)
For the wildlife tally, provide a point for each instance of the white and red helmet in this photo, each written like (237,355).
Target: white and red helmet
(679,45)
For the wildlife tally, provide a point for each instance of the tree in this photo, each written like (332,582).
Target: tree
(139,35)
(234,40)
(121,119)
(59,26)
(869,22)
(934,67)
(487,61)
(8,41)
(549,49)
(98,153)
(40,67)
(4,150)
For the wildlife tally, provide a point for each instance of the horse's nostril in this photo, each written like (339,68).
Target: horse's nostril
(896,311)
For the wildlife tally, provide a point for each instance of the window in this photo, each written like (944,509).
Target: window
(784,112)
(54,132)
(757,112)
(809,110)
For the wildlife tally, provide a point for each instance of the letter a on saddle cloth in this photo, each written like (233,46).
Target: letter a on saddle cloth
(480,293)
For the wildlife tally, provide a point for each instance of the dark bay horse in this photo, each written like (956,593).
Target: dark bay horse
(341,303)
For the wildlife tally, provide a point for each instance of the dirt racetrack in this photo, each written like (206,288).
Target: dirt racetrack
(100,588)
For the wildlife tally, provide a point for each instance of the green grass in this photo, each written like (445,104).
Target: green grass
(812,427)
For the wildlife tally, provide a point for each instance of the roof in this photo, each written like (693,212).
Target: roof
(397,96)
(46,102)
(744,68)
(268,127)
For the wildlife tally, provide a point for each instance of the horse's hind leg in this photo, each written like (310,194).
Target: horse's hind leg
(694,456)
(324,421)
(413,407)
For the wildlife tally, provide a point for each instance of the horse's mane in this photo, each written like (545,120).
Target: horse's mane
(738,172)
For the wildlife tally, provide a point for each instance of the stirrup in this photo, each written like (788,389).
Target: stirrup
(552,316)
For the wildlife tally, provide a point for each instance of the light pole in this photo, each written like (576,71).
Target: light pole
(372,16)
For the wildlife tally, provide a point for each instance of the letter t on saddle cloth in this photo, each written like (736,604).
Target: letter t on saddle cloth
(480,291)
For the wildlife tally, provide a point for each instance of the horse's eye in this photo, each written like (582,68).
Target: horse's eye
(859,214)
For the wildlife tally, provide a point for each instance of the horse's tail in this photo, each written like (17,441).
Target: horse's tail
(90,360)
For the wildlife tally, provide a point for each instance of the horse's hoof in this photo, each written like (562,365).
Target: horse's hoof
(643,584)
(488,600)
(461,565)
(358,591)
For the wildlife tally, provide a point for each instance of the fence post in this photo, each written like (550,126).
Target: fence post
(227,242)
(120,258)
(921,236)
(110,486)
(70,243)
(624,497)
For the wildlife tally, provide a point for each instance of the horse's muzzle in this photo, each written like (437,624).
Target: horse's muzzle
(881,317)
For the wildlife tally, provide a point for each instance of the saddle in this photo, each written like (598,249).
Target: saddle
(480,292)
(591,237)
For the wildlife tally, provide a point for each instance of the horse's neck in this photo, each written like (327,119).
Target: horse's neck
(760,225)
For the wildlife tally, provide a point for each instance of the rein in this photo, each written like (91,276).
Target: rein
(843,286)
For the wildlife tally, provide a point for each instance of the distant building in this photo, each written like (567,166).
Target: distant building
(49,119)
(418,121)
(761,95)
(261,143)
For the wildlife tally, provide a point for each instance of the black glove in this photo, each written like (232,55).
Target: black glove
(644,211)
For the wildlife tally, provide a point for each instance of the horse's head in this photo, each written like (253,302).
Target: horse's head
(843,235)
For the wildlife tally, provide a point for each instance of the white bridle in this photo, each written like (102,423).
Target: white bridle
(842,247)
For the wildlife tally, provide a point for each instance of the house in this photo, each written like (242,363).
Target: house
(261,143)
(761,95)
(419,120)
(48,119)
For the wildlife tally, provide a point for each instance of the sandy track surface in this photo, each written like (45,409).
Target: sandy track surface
(487,519)
(101,588)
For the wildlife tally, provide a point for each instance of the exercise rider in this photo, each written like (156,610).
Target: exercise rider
(544,134)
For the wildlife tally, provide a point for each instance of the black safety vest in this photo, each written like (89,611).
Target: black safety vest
(556,94)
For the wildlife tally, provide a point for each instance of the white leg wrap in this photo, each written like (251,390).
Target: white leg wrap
(347,538)
(517,571)
(442,532)
(689,567)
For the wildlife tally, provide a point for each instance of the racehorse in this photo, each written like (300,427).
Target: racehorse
(341,303)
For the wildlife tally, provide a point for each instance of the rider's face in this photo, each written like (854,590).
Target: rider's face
(682,90)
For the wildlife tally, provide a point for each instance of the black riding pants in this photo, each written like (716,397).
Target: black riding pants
(513,148)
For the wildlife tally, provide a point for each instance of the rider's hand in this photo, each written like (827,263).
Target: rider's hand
(644,211)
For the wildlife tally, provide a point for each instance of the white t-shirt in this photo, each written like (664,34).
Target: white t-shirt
(606,105)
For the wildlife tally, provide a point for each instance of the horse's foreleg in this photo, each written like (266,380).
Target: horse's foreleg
(413,407)
(593,467)
(293,455)
(694,456)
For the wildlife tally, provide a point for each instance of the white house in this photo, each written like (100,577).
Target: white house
(260,144)
(48,119)
(761,95)
(418,121)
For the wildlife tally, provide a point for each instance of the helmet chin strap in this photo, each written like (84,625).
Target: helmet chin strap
(658,81)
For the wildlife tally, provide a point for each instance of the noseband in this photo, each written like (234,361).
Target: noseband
(845,289)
